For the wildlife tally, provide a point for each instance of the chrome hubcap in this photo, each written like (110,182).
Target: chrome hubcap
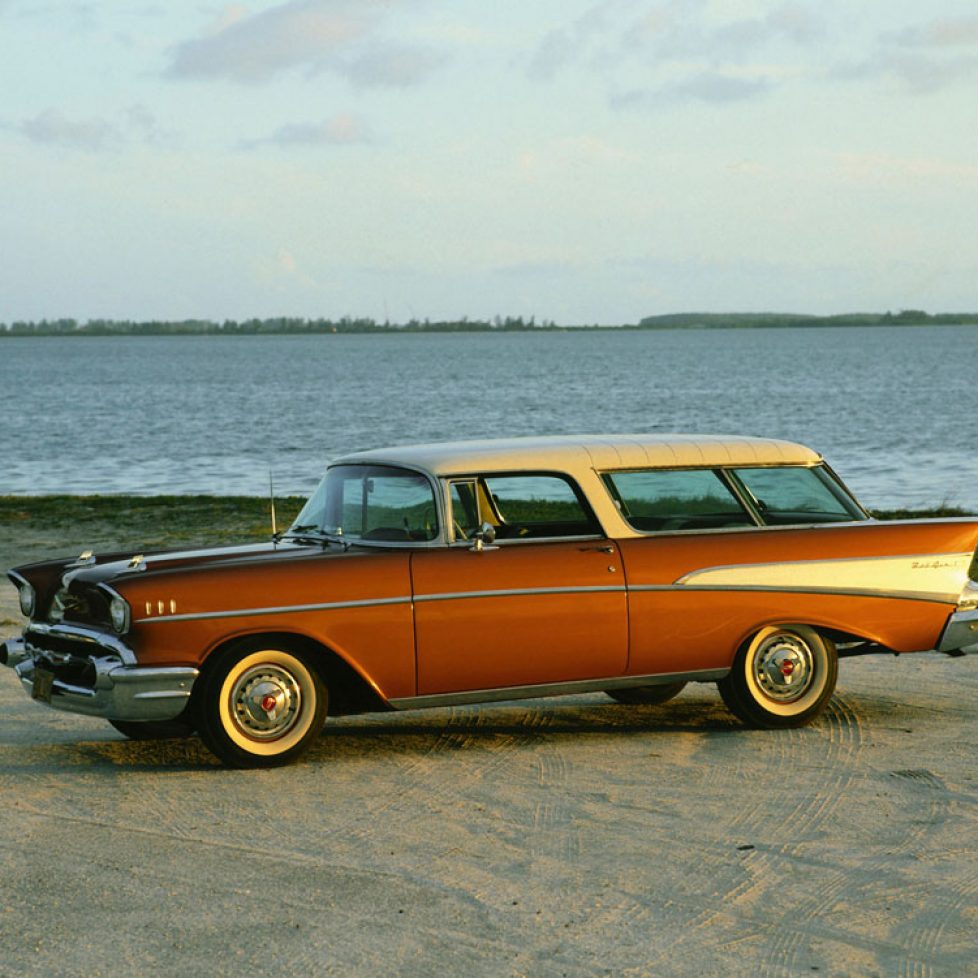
(265,701)
(783,667)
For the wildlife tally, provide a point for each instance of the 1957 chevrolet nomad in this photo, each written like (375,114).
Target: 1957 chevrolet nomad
(496,570)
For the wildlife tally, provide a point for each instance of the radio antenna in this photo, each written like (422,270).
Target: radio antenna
(271,498)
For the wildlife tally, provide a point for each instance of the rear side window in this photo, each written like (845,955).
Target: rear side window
(663,499)
(796,494)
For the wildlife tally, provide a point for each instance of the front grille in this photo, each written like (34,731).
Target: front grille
(69,669)
(61,644)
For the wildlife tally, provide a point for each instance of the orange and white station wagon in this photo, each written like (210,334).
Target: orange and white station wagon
(481,571)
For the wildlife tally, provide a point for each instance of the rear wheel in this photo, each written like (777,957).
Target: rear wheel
(260,705)
(783,677)
(647,695)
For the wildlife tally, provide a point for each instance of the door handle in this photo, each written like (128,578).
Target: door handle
(598,550)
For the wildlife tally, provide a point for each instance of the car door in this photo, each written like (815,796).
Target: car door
(545,603)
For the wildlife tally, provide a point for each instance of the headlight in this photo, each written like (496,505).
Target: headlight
(28,599)
(119,613)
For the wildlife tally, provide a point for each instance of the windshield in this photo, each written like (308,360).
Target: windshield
(370,502)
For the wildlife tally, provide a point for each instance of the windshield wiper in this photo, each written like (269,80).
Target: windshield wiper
(311,533)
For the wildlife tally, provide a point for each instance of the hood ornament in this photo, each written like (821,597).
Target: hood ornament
(138,563)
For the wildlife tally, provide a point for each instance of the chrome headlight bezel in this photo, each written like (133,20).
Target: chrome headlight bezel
(27,598)
(26,595)
(119,614)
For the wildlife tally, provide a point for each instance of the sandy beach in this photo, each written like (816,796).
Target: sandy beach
(564,837)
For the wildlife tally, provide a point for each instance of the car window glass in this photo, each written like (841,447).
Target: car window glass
(373,502)
(795,494)
(665,499)
(532,506)
(465,510)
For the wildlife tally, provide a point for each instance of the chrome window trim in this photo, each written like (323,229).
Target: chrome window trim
(566,477)
(727,475)
(439,540)
(535,691)
(529,541)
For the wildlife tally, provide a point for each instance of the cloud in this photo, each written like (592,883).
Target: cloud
(938,34)
(566,45)
(256,48)
(714,87)
(922,59)
(394,66)
(689,50)
(340,130)
(916,73)
(342,36)
(52,128)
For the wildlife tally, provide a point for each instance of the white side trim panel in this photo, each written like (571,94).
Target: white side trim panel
(937,576)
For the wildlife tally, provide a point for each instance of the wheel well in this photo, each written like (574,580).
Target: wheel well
(349,692)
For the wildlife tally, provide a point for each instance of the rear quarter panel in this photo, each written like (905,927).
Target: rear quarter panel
(694,598)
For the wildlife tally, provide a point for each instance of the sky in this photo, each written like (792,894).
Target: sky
(575,161)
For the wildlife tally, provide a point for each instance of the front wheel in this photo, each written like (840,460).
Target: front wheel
(260,706)
(783,677)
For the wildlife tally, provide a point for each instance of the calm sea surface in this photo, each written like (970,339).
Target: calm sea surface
(891,409)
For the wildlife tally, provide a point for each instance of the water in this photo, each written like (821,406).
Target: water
(890,408)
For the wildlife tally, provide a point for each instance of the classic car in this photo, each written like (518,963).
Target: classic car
(473,572)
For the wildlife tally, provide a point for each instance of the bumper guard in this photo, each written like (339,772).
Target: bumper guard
(111,688)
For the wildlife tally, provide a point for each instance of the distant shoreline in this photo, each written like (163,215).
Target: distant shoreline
(291,326)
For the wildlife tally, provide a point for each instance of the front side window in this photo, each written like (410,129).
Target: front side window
(371,502)
(797,494)
(520,506)
(666,499)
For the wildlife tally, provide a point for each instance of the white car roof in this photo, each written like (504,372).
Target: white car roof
(575,454)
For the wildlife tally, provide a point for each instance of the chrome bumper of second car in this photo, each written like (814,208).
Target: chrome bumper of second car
(960,633)
(100,684)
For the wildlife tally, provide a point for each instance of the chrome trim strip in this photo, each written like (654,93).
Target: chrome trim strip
(796,589)
(553,689)
(275,610)
(371,602)
(520,592)
(516,592)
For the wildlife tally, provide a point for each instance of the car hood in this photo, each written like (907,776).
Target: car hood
(115,566)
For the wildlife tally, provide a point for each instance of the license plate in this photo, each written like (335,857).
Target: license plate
(43,681)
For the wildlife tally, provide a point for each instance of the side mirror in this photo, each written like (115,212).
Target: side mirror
(484,538)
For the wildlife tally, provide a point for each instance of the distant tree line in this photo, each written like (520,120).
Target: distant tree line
(348,324)
(282,324)
(753,320)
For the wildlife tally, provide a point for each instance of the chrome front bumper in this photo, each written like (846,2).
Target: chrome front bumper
(960,633)
(104,682)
